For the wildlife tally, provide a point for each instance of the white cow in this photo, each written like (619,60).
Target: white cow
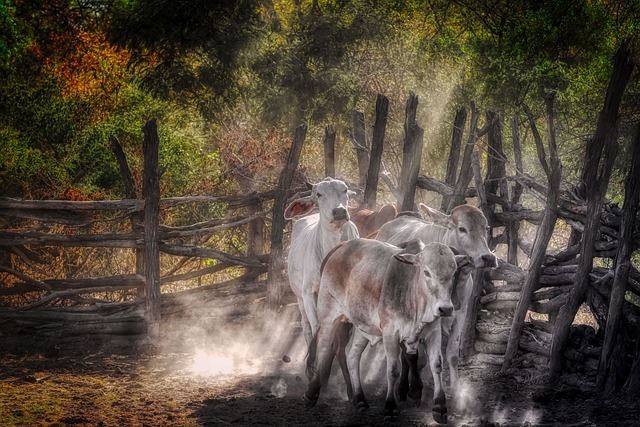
(312,238)
(388,293)
(466,231)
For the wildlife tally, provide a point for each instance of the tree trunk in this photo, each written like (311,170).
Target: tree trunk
(151,195)
(601,151)
(377,144)
(277,286)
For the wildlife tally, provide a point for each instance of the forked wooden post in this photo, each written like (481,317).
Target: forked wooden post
(151,195)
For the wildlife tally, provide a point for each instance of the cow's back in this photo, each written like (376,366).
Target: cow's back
(354,274)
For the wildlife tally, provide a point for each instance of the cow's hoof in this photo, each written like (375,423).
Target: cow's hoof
(390,410)
(416,396)
(309,402)
(361,406)
(440,416)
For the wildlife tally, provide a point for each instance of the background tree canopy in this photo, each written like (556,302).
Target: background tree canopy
(229,80)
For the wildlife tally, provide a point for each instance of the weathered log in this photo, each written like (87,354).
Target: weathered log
(361,145)
(487,359)
(512,228)
(551,306)
(507,272)
(622,267)
(196,251)
(511,287)
(68,217)
(411,155)
(377,144)
(500,300)
(109,240)
(489,347)
(553,170)
(465,176)
(454,155)
(276,288)
(203,228)
(548,294)
(601,153)
(329,144)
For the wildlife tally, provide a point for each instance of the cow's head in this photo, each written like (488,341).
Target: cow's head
(467,227)
(437,266)
(332,198)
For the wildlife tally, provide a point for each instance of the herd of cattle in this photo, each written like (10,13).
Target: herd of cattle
(405,283)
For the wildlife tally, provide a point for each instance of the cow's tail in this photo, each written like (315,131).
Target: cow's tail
(311,356)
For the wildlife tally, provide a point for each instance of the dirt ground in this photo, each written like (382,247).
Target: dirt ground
(238,374)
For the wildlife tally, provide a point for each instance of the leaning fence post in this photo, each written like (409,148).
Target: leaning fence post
(151,195)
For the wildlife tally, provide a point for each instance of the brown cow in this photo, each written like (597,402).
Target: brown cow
(368,222)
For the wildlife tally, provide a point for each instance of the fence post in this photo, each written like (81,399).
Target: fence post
(359,141)
(276,286)
(411,156)
(377,143)
(329,143)
(136,218)
(151,195)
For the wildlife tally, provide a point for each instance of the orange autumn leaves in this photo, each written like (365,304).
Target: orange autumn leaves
(90,71)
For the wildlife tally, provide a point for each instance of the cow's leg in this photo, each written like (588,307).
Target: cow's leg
(322,353)
(304,322)
(453,350)
(392,351)
(410,383)
(433,342)
(358,344)
(403,381)
(309,300)
(456,323)
(342,338)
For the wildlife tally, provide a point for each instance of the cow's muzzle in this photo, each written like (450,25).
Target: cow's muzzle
(340,214)
(445,310)
(488,260)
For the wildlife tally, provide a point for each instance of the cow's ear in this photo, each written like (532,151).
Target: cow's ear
(407,258)
(435,215)
(300,207)
(463,261)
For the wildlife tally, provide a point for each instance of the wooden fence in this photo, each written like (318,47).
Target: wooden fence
(496,327)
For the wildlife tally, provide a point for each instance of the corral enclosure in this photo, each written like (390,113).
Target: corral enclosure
(522,311)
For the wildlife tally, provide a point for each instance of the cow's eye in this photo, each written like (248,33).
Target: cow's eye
(426,273)
(462,229)
(318,195)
